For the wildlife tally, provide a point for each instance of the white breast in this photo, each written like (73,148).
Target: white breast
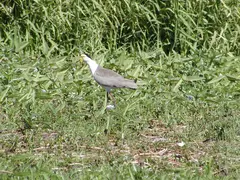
(93,66)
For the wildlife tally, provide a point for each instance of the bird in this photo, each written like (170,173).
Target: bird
(107,78)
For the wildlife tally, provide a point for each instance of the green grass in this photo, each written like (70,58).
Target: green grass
(185,56)
(65,132)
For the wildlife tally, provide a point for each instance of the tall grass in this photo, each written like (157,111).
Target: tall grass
(185,27)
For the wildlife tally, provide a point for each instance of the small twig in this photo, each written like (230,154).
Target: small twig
(5,172)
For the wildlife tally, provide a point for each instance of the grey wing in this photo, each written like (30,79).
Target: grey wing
(106,73)
(107,77)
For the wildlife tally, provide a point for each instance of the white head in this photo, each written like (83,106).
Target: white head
(91,63)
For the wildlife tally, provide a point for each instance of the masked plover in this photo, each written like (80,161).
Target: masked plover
(108,78)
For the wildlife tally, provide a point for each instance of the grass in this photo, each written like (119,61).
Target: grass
(185,56)
(65,132)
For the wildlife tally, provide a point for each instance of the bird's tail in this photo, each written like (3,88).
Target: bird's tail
(131,84)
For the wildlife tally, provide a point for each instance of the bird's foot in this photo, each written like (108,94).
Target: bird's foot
(110,106)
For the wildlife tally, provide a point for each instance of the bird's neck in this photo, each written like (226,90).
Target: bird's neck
(93,66)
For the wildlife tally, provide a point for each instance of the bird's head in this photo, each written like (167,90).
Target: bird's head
(91,63)
(85,58)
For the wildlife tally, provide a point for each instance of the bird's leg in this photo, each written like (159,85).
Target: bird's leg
(107,95)
(113,99)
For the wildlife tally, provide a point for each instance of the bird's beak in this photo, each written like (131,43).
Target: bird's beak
(81,59)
